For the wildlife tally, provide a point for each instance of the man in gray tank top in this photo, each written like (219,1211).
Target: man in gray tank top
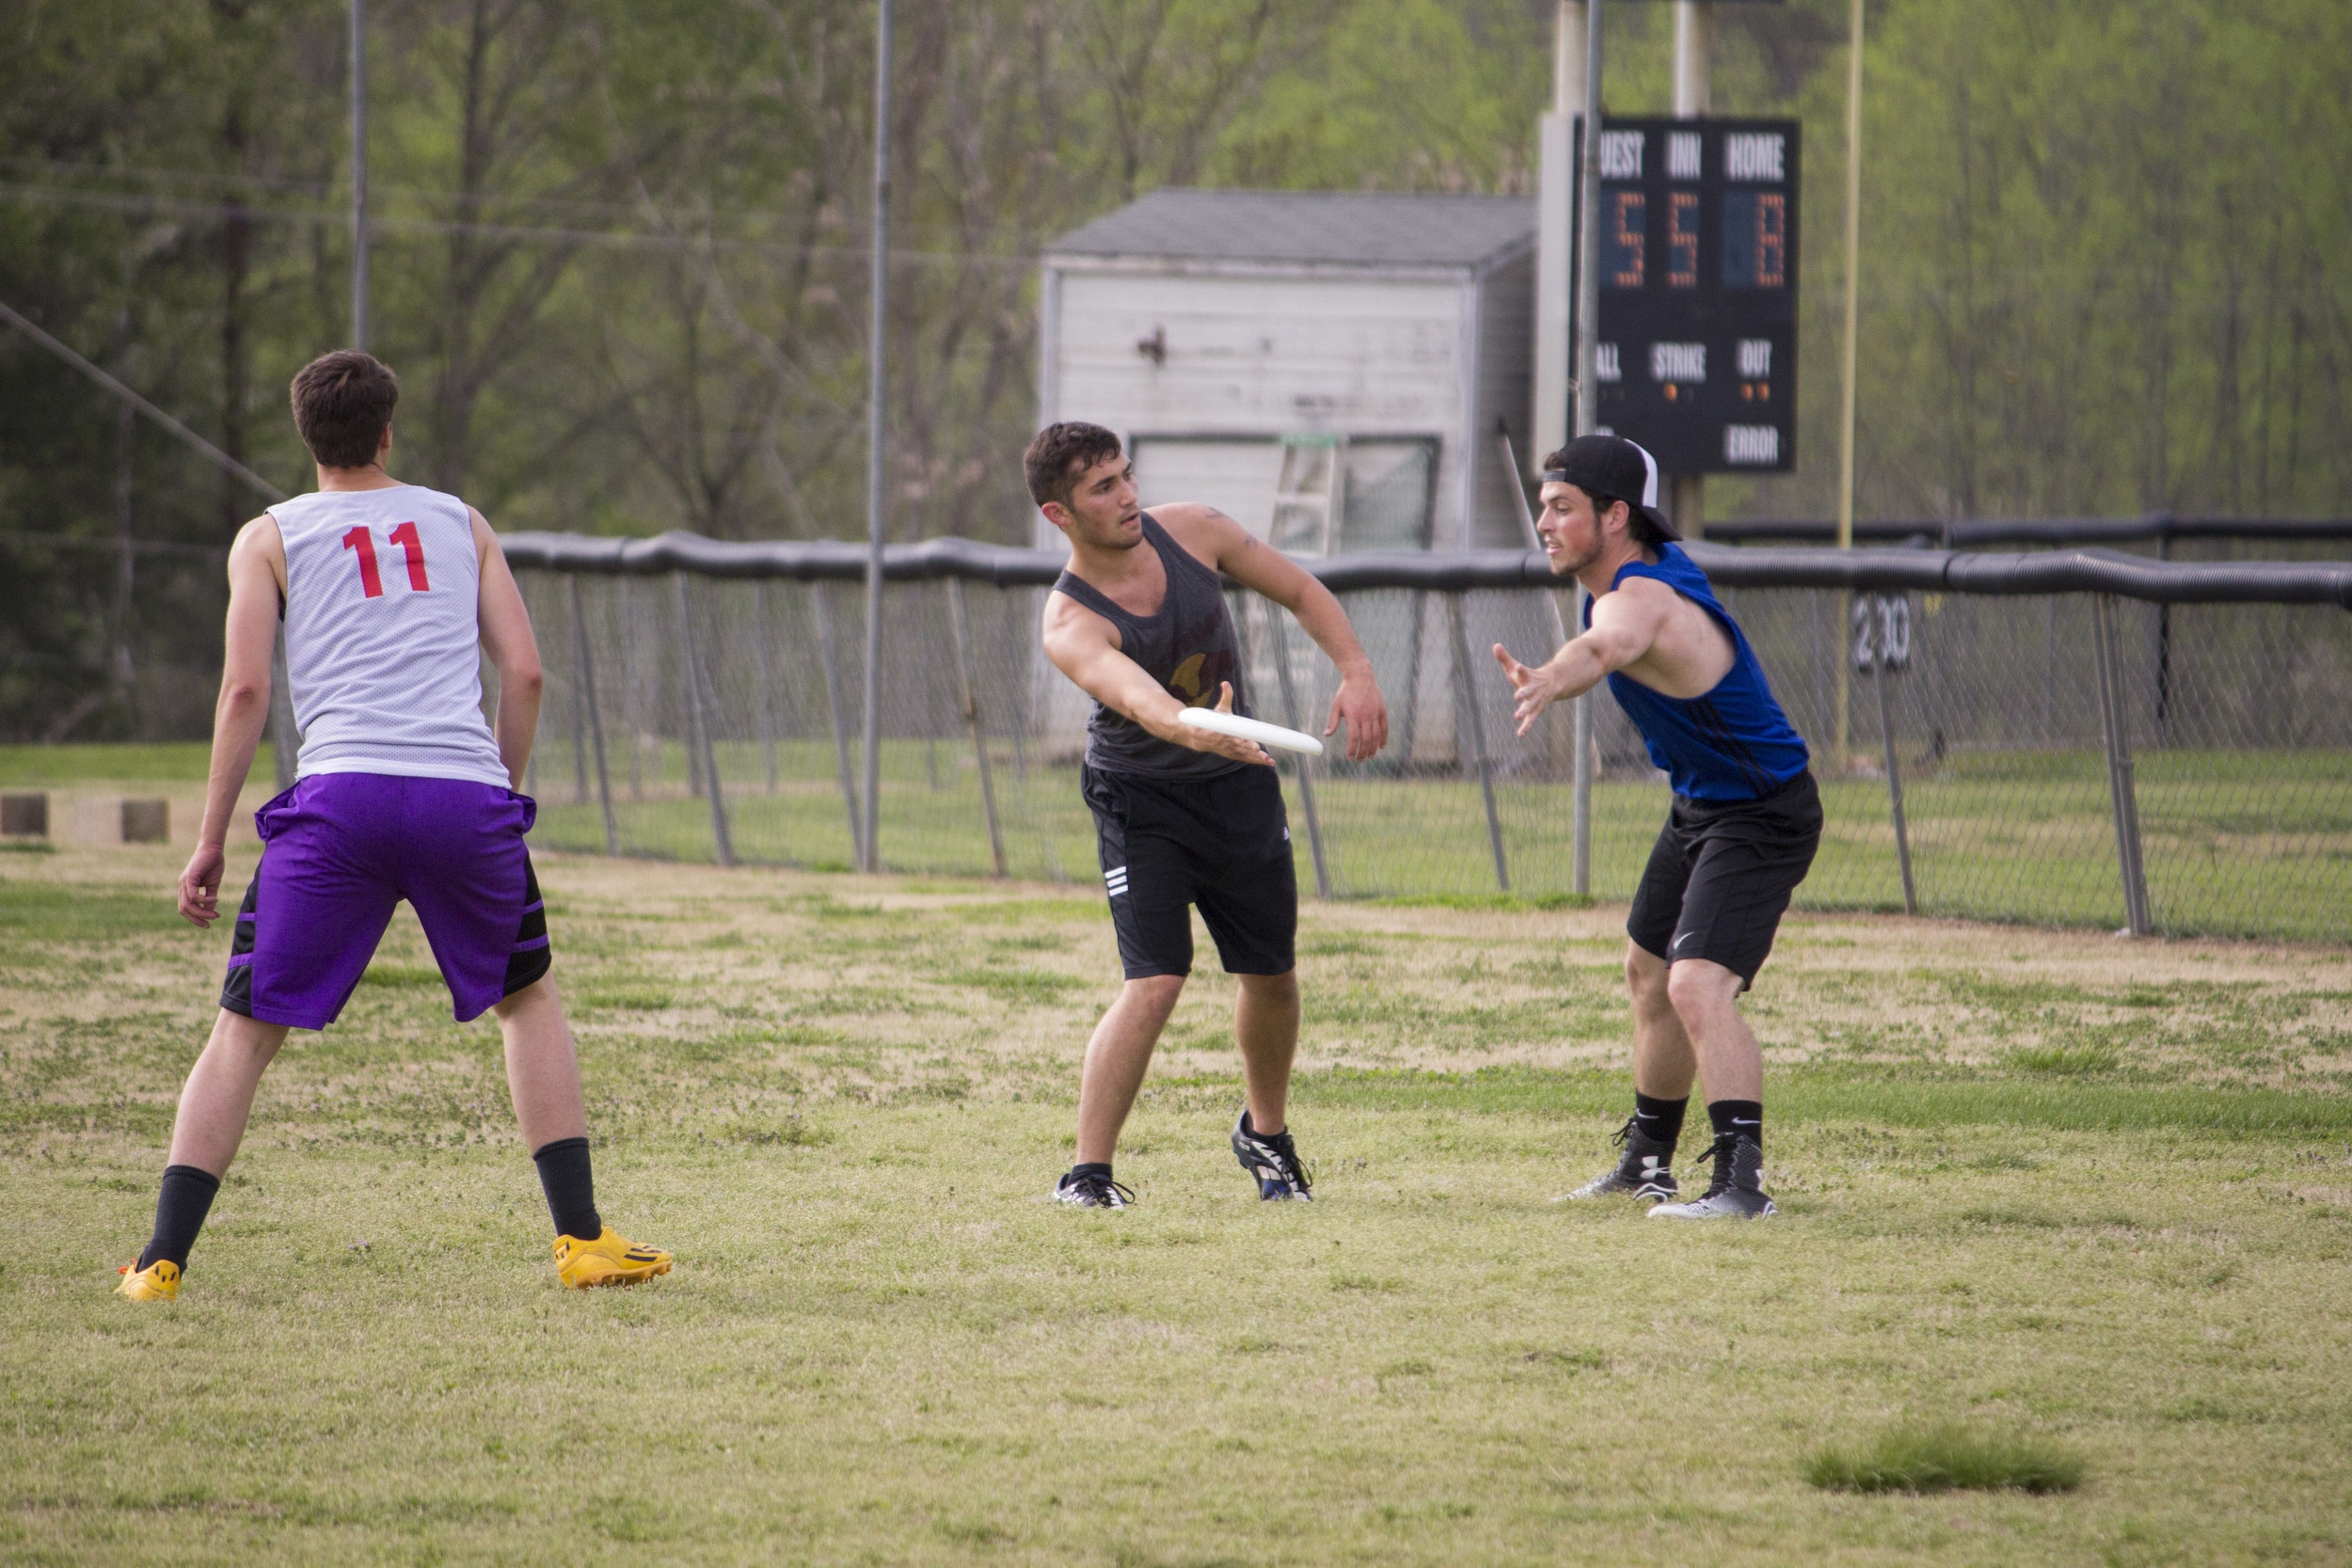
(1182,817)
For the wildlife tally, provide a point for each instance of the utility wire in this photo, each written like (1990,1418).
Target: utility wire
(218,457)
(182,207)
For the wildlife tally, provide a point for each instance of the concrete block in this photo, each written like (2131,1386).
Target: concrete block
(146,821)
(25,816)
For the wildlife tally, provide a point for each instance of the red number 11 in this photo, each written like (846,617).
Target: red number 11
(413,548)
(370,581)
(411,545)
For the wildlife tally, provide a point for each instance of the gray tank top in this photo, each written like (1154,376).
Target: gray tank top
(1189,646)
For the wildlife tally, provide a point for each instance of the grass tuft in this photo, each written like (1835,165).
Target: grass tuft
(1947,1458)
(1016,983)
(2065,1061)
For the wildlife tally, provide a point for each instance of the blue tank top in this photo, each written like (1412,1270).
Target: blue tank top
(1732,744)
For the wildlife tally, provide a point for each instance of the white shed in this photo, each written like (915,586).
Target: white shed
(1253,347)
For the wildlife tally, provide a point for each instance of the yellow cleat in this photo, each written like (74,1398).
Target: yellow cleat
(160,1280)
(611,1259)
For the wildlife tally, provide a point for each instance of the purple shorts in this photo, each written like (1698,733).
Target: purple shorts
(341,849)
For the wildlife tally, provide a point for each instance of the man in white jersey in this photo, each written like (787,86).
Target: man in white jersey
(391,595)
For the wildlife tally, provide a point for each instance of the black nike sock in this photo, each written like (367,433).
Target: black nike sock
(1744,1116)
(1659,1121)
(179,1211)
(571,1189)
(1081,1171)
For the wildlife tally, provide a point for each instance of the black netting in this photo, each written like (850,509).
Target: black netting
(2237,719)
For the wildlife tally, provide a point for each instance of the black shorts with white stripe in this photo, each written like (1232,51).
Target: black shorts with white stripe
(1720,877)
(1222,844)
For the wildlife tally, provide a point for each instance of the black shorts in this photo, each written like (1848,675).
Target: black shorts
(1720,877)
(1223,843)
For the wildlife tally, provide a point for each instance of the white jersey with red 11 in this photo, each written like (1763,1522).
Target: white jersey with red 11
(383,634)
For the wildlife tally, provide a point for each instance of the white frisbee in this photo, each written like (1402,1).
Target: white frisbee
(1251,729)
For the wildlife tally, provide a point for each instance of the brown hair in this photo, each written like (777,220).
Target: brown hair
(1059,453)
(341,403)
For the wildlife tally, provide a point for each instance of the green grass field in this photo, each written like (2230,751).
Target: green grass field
(2054,1206)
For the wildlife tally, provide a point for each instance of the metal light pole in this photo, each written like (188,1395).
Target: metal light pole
(1846,394)
(1587,404)
(359,175)
(1694,51)
(870,852)
(1551,417)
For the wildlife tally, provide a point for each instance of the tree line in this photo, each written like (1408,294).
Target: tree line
(620,252)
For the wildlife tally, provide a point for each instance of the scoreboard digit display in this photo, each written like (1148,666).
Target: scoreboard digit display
(1698,304)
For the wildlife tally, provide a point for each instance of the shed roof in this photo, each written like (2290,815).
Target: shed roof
(1343,228)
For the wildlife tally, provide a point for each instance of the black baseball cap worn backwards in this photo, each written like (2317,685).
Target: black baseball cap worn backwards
(1614,466)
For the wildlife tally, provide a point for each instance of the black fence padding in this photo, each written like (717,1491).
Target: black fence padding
(1876,569)
(1981,533)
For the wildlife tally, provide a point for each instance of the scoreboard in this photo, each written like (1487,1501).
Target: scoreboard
(1698,299)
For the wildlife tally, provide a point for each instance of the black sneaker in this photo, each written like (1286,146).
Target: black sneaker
(1642,1172)
(1274,1161)
(1736,1192)
(1090,1192)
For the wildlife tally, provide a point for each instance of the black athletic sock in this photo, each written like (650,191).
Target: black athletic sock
(1080,1172)
(571,1189)
(1250,1127)
(179,1211)
(1659,1121)
(1744,1116)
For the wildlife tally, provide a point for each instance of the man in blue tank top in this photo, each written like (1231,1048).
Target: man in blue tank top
(1183,818)
(1741,833)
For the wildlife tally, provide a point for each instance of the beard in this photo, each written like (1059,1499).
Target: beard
(1566,566)
(1117,538)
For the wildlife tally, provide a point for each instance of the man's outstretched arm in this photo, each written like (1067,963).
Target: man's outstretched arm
(1624,623)
(257,567)
(1079,643)
(1265,570)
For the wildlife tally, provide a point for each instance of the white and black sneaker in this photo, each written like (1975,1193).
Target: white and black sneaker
(1274,1161)
(1644,1170)
(1736,1192)
(1091,1191)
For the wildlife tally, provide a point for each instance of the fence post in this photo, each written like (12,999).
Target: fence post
(1281,639)
(283,740)
(972,717)
(699,722)
(630,694)
(2120,790)
(579,719)
(596,719)
(1581,776)
(1468,697)
(759,669)
(1407,734)
(1894,769)
(830,651)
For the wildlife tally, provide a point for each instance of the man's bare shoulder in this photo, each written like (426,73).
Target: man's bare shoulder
(1645,591)
(1072,634)
(1207,534)
(260,536)
(1066,616)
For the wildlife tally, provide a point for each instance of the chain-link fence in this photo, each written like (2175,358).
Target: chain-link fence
(2209,747)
